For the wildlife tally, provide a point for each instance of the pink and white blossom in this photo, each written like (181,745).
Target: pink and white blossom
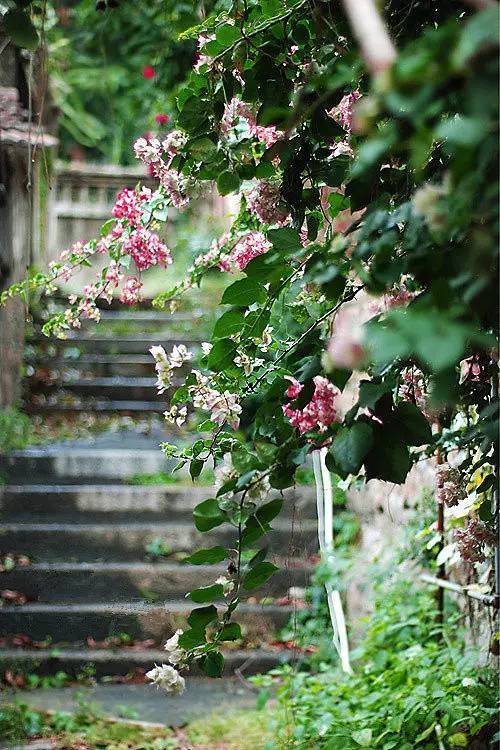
(131,291)
(320,412)
(246,249)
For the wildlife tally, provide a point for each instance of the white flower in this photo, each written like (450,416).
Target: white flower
(206,347)
(226,583)
(179,355)
(167,678)
(246,362)
(175,653)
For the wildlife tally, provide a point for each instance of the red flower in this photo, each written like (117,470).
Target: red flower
(162,119)
(148,71)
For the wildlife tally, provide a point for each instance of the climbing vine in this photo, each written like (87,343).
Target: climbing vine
(364,256)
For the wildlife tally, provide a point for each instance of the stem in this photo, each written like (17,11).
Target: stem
(371,32)
(306,333)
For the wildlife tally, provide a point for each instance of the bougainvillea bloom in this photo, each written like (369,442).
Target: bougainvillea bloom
(474,539)
(131,292)
(249,247)
(264,202)
(162,119)
(146,249)
(342,113)
(148,72)
(320,412)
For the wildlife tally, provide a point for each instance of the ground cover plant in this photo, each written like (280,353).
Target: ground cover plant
(362,259)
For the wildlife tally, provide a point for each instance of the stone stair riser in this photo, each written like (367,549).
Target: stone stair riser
(125,502)
(58,542)
(122,661)
(122,345)
(79,622)
(135,582)
(52,466)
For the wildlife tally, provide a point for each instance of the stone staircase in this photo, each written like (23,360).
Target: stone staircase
(105,368)
(71,507)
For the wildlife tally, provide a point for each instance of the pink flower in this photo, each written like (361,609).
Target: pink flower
(148,72)
(113,275)
(127,206)
(249,247)
(146,249)
(202,59)
(131,292)
(162,119)
(319,413)
(294,388)
(266,134)
(342,113)
(264,202)
(341,148)
(473,539)
(148,150)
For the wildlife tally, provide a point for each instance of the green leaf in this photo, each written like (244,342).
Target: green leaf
(195,468)
(388,458)
(209,556)
(459,739)
(19,27)
(212,664)
(193,114)
(350,447)
(228,182)
(258,575)
(270,510)
(243,293)
(229,323)
(207,593)
(222,355)
(193,637)
(207,515)
(415,429)
(363,737)
(201,616)
(463,131)
(370,393)
(230,632)
(487,482)
(285,240)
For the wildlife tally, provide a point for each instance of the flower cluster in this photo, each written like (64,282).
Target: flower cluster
(224,406)
(246,249)
(146,249)
(159,157)
(131,291)
(165,364)
(413,389)
(236,109)
(320,412)
(202,59)
(450,485)
(342,114)
(264,202)
(167,678)
(474,539)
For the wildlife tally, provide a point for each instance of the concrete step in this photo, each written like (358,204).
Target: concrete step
(115,388)
(69,623)
(49,542)
(100,365)
(112,662)
(58,462)
(87,502)
(86,582)
(118,344)
(102,407)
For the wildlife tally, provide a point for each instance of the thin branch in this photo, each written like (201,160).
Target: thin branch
(371,32)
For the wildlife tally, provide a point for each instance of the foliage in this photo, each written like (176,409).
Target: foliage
(18,722)
(413,686)
(15,429)
(349,187)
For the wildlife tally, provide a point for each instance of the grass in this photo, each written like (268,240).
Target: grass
(240,730)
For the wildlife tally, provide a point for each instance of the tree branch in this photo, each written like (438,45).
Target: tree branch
(371,32)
